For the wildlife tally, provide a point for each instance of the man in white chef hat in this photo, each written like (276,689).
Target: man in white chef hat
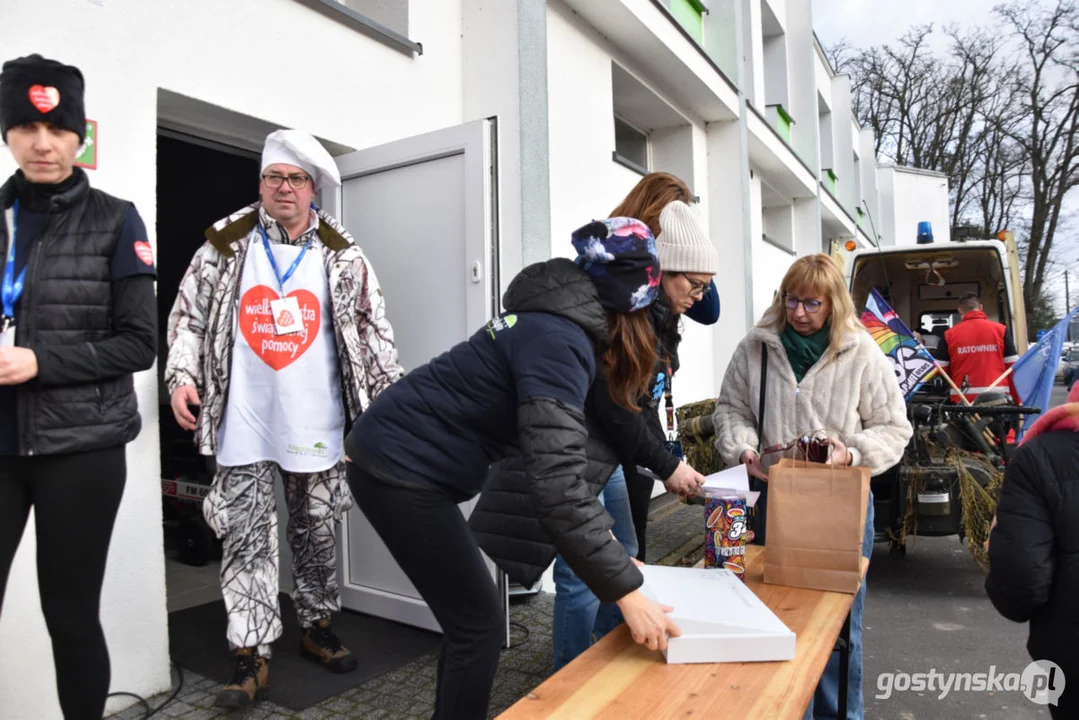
(278,341)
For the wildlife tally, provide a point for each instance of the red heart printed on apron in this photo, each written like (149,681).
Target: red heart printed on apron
(44,98)
(257,325)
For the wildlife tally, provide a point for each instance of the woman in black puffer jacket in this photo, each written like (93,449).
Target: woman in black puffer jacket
(1034,548)
(78,318)
(518,387)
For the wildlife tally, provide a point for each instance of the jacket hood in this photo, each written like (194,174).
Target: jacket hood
(561,288)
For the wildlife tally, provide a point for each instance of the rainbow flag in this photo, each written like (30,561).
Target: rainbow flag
(913,363)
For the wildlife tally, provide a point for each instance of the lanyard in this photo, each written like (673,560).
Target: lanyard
(12,288)
(668,398)
(273,263)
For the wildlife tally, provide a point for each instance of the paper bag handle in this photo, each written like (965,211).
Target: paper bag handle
(760,402)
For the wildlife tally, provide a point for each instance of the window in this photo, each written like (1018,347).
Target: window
(824,122)
(776,80)
(778,222)
(630,146)
(937,322)
(649,134)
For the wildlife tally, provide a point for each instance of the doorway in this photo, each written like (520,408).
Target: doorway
(198,183)
(453,246)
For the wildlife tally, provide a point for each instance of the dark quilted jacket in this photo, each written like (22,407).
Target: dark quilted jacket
(67,302)
(504,520)
(445,423)
(1034,550)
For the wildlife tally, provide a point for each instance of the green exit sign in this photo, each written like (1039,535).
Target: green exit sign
(87,158)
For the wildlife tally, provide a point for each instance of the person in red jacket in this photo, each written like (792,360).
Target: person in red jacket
(977,351)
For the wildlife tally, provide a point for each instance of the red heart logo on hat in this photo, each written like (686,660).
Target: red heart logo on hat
(44,98)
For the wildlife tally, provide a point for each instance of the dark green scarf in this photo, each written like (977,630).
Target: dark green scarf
(803,352)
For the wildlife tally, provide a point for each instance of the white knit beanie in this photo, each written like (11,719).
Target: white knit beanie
(682,243)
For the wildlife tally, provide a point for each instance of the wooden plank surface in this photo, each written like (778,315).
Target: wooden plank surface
(616,679)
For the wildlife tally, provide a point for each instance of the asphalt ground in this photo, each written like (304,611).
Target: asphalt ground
(928,611)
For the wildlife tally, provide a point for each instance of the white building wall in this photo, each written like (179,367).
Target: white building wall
(490,86)
(729,194)
(770,263)
(586,183)
(346,88)
(886,187)
(870,190)
(843,141)
(720,32)
(754,52)
(779,9)
(777,73)
(803,96)
(823,77)
(807,227)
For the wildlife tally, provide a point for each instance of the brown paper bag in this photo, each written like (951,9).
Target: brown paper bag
(816,522)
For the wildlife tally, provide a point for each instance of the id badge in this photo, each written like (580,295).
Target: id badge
(7,333)
(286,316)
(674,447)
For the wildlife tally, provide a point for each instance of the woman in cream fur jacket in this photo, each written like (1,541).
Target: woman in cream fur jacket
(853,390)
(824,373)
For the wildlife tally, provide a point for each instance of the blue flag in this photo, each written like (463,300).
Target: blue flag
(1035,372)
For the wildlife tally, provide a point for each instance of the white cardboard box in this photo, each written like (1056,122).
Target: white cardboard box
(720,618)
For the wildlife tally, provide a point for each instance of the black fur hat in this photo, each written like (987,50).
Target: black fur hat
(34,89)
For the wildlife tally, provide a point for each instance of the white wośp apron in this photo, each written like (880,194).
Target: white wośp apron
(284,398)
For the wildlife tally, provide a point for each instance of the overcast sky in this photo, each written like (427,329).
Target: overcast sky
(874,22)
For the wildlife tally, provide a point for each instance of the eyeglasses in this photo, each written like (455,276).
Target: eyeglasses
(697,288)
(792,303)
(298,180)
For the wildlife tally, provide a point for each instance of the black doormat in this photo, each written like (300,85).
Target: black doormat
(197,641)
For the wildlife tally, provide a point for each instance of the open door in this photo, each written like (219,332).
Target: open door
(425,212)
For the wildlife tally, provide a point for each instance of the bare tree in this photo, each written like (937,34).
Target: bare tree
(841,55)
(998,113)
(1047,81)
(985,169)
(949,114)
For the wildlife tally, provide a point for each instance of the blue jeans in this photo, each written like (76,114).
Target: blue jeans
(578,613)
(825,702)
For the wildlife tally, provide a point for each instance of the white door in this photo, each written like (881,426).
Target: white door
(424,211)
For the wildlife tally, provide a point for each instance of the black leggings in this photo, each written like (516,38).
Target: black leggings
(640,502)
(75,498)
(429,538)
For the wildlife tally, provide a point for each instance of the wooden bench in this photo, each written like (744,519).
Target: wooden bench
(617,679)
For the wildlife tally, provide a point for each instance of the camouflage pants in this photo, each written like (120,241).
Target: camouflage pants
(242,509)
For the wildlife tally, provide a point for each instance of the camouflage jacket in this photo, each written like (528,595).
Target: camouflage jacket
(203,321)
